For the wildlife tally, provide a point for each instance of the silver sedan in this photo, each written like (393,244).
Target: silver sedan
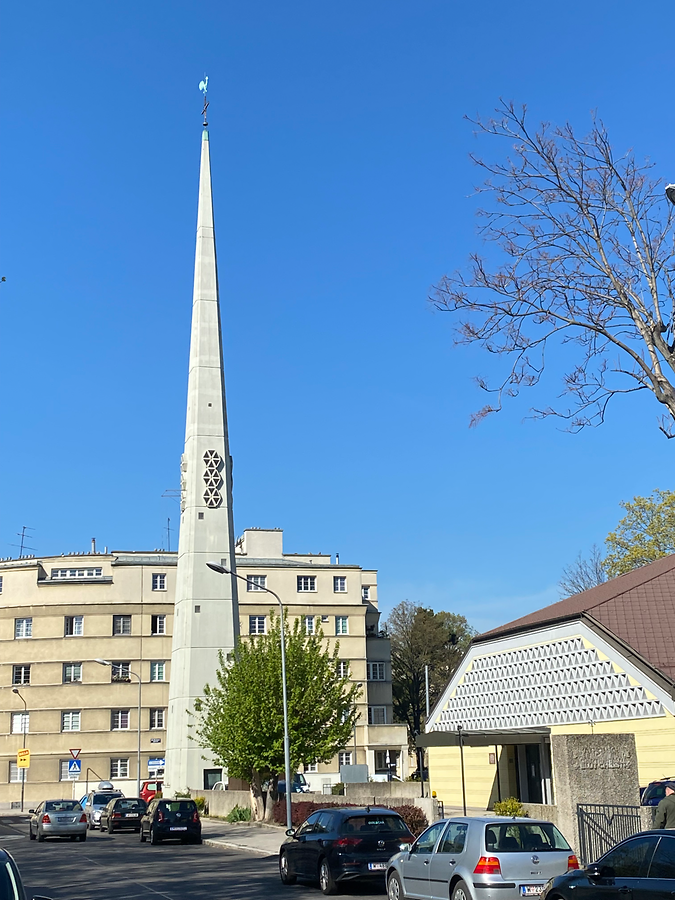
(58,818)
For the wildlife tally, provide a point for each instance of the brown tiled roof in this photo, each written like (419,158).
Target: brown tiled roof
(638,608)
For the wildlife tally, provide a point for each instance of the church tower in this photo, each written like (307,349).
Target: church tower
(206,617)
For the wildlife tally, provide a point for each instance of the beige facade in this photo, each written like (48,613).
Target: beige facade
(58,615)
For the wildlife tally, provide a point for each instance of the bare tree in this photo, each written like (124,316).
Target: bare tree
(583,574)
(589,256)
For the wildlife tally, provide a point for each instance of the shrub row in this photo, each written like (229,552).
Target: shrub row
(412,815)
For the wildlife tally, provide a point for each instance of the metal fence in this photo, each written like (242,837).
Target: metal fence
(601,825)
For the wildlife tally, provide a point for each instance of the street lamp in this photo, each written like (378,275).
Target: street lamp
(223,570)
(670,193)
(106,662)
(23,729)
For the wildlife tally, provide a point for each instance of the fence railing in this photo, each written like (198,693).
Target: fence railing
(601,825)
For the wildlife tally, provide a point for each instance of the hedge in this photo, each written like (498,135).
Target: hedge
(412,815)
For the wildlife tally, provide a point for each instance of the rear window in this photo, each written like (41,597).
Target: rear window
(374,824)
(178,805)
(654,792)
(516,837)
(130,804)
(62,806)
(103,799)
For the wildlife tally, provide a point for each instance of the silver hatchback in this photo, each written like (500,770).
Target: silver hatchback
(482,858)
(58,818)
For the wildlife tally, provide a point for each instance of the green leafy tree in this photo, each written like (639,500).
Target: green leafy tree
(240,718)
(646,533)
(420,637)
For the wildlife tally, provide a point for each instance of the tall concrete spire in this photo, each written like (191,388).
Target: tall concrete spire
(206,617)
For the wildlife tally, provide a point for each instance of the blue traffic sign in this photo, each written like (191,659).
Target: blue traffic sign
(74,768)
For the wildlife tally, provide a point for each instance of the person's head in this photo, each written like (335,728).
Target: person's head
(670,788)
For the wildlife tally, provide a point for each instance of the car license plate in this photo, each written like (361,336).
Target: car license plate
(531,890)
(65,820)
(132,815)
(178,828)
(377,867)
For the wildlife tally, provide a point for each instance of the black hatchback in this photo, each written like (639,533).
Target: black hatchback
(171,819)
(124,812)
(341,844)
(642,866)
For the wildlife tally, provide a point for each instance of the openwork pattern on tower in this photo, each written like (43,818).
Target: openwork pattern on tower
(213,479)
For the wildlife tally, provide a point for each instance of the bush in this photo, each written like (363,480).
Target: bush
(509,807)
(413,816)
(338,788)
(182,795)
(200,803)
(239,814)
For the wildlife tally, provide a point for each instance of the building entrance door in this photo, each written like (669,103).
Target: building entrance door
(533,769)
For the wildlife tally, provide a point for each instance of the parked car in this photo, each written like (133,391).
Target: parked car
(299,785)
(341,844)
(655,791)
(124,812)
(57,818)
(642,866)
(482,858)
(150,789)
(171,819)
(11,885)
(94,803)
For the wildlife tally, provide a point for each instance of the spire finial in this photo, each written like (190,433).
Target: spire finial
(203,87)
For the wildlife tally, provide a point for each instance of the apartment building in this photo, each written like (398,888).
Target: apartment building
(82,635)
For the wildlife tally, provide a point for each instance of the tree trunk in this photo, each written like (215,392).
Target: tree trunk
(272,797)
(257,799)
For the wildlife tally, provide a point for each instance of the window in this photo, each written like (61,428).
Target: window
(21,675)
(70,721)
(339,584)
(425,842)
(76,573)
(256,624)
(365,592)
(454,838)
(120,671)
(72,672)
(256,582)
(156,718)
(0,584)
(377,715)
(386,761)
(306,583)
(157,671)
(119,719)
(63,770)
(345,758)
(20,722)
(311,768)
(23,628)
(17,774)
(343,669)
(325,620)
(376,671)
(121,625)
(341,625)
(119,767)
(73,626)
(663,864)
(158,625)
(159,581)
(631,859)
(310,625)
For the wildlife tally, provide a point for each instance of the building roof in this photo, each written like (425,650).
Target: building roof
(638,608)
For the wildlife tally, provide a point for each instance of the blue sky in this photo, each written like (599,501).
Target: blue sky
(342,185)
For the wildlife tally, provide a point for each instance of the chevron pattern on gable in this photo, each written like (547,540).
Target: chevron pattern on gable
(557,683)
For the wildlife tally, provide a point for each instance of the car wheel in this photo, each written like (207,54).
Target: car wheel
(461,892)
(141,835)
(154,837)
(395,888)
(326,881)
(30,833)
(82,837)
(284,871)
(40,836)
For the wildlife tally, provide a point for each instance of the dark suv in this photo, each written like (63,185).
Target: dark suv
(171,819)
(341,844)
(655,791)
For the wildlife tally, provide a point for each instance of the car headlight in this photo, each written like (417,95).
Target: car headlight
(97,814)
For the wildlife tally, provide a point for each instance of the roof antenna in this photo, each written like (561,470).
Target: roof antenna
(203,87)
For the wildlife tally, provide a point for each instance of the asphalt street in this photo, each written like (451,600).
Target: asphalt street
(121,867)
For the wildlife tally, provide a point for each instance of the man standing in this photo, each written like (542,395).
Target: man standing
(665,811)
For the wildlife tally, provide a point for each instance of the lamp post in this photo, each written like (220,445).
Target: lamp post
(670,193)
(23,729)
(106,662)
(223,570)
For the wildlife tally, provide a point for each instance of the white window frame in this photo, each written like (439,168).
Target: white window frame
(157,719)
(254,624)
(311,768)
(62,574)
(117,719)
(117,671)
(256,582)
(23,668)
(23,628)
(339,584)
(377,671)
(72,665)
(306,584)
(64,774)
(343,668)
(71,720)
(365,592)
(20,722)
(341,625)
(345,758)
(121,619)
(158,670)
(17,775)
(381,713)
(0,584)
(309,623)
(76,624)
(159,581)
(119,767)
(158,624)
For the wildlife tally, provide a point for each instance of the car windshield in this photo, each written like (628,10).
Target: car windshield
(374,824)
(178,805)
(130,804)
(517,837)
(62,806)
(654,792)
(10,889)
(103,799)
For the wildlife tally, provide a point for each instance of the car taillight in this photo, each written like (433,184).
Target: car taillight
(488,865)
(160,816)
(572,862)
(347,842)
(83,818)
(117,815)
(45,819)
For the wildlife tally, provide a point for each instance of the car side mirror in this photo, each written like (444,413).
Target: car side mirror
(290,832)
(32,811)
(596,872)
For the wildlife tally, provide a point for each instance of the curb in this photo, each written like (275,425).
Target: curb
(231,845)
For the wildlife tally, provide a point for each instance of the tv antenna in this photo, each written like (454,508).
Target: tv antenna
(22,534)
(168,530)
